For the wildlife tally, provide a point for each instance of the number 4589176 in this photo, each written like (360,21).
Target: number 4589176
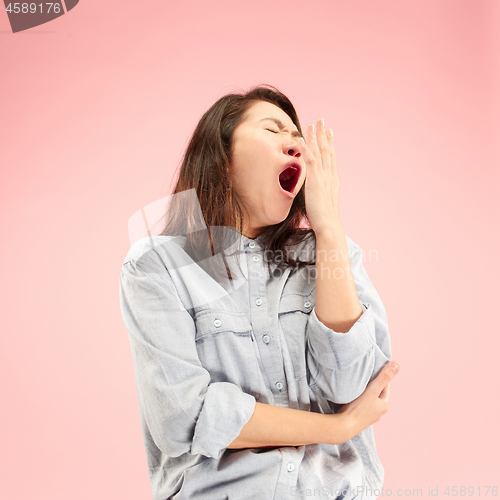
(33,8)
(471,490)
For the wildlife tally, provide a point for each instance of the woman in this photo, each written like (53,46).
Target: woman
(259,380)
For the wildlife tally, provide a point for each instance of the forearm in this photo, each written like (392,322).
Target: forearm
(278,426)
(337,303)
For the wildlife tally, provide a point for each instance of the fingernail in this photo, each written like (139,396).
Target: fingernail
(330,132)
(395,366)
(322,121)
(312,128)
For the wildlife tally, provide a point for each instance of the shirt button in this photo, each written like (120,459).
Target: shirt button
(258,302)
(277,273)
(279,385)
(290,467)
(217,323)
(307,304)
(255,258)
(251,244)
(266,339)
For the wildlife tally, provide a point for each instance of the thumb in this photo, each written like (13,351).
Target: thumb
(387,373)
(386,392)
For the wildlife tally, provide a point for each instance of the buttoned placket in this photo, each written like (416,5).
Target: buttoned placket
(270,351)
(291,457)
(268,343)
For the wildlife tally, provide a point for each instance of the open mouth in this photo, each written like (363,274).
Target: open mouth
(289,178)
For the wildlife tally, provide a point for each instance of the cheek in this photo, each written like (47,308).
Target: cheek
(243,161)
(241,177)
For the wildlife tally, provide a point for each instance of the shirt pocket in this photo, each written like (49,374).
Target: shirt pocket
(225,345)
(294,311)
(211,322)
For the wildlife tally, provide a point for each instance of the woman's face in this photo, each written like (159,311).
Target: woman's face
(264,145)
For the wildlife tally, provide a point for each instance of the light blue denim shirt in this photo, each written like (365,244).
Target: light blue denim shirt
(204,352)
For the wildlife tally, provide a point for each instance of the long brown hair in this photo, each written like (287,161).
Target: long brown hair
(204,168)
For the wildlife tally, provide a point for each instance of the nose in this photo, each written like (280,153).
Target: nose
(291,148)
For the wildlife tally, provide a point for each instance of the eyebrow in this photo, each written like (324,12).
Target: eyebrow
(280,124)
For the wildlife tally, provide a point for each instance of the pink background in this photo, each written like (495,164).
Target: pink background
(96,110)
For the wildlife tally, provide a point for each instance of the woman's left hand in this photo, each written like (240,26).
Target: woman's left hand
(321,187)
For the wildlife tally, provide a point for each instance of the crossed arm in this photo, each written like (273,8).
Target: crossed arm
(276,426)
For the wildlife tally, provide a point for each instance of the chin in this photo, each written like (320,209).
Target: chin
(282,219)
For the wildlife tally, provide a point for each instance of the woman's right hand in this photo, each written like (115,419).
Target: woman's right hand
(373,402)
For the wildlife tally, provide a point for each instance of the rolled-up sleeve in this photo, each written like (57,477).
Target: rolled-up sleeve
(342,364)
(183,410)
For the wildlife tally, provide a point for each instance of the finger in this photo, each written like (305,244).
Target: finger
(387,373)
(312,143)
(385,394)
(306,153)
(323,145)
(333,157)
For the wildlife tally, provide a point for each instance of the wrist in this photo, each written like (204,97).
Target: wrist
(348,424)
(338,428)
(332,230)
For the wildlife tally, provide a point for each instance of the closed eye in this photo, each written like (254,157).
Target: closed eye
(271,130)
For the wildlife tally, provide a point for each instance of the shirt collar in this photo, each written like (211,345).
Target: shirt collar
(249,244)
